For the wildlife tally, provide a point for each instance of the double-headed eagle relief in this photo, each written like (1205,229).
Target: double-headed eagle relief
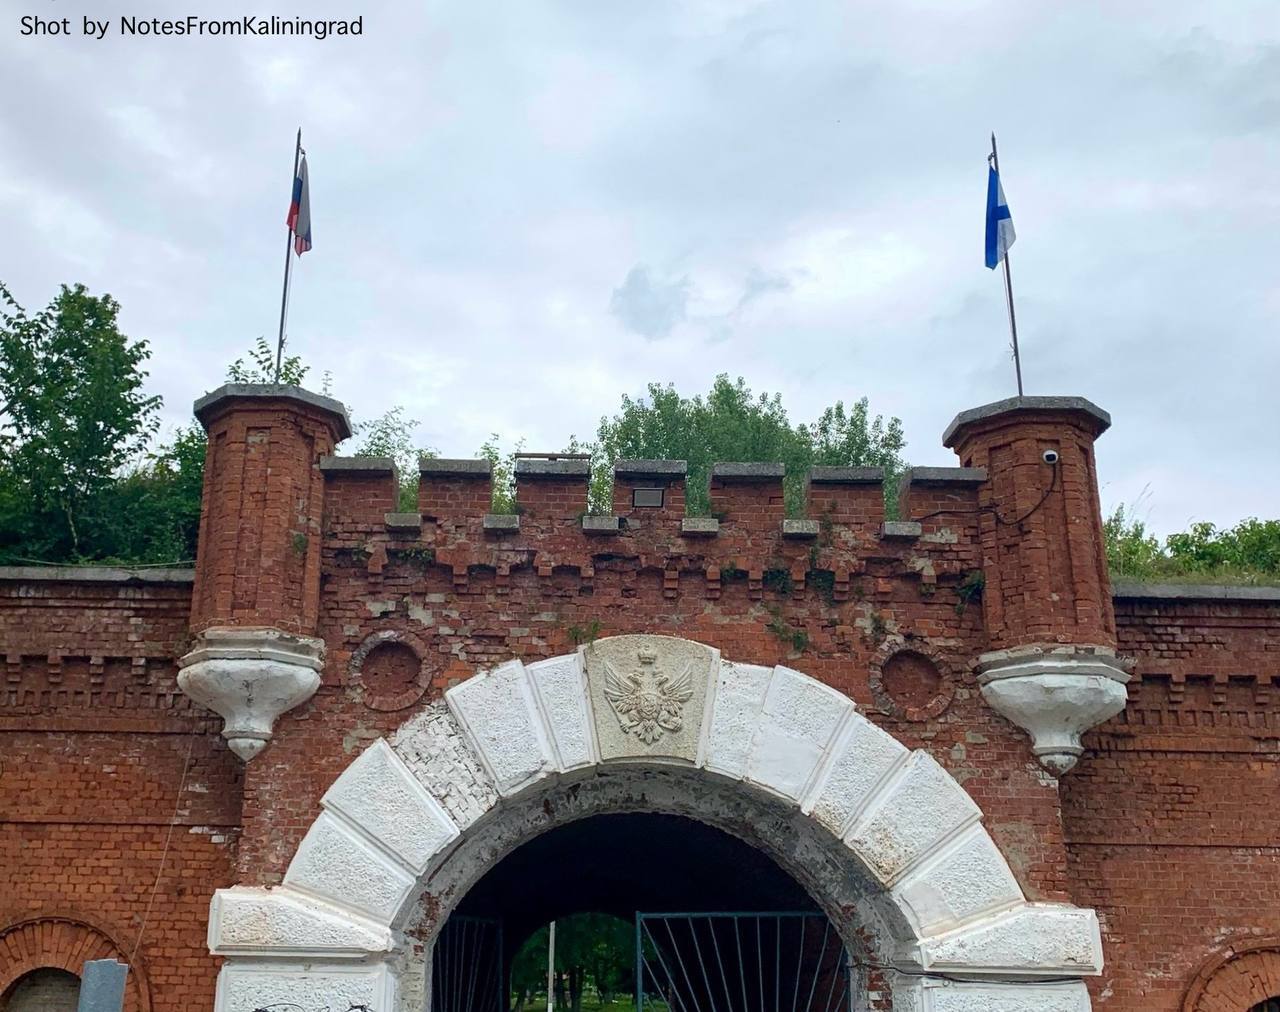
(647,701)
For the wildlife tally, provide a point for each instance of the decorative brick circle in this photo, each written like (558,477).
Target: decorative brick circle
(1240,979)
(65,943)
(388,671)
(911,681)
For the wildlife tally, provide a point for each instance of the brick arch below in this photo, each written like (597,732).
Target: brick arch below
(464,780)
(1244,976)
(65,942)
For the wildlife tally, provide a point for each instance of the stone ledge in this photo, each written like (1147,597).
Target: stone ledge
(699,526)
(501,522)
(403,521)
(601,525)
(900,530)
(800,528)
(358,467)
(1013,405)
(846,475)
(96,574)
(445,467)
(747,471)
(1133,590)
(651,468)
(205,406)
(553,468)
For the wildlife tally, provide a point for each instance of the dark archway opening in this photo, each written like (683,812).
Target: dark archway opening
(625,864)
(1270,1005)
(48,989)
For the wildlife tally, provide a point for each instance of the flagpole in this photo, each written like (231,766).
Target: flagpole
(288,244)
(1008,282)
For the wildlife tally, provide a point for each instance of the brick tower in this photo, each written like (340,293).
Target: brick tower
(257,586)
(1051,665)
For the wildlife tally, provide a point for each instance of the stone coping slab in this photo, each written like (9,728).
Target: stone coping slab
(1132,589)
(97,574)
(747,471)
(448,467)
(1014,405)
(553,468)
(206,406)
(358,467)
(636,468)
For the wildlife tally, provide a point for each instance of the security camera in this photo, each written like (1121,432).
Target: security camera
(1049,456)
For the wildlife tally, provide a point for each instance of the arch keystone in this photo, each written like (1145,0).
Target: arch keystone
(650,696)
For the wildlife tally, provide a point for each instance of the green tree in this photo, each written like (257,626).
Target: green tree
(730,423)
(72,413)
(391,435)
(151,513)
(1249,552)
(592,951)
(503,463)
(261,367)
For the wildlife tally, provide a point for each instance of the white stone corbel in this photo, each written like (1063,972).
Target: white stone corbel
(249,677)
(1055,694)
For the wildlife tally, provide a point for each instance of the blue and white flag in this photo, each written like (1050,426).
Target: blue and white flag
(1000,234)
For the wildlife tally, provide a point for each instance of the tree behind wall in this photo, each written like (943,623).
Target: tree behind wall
(72,414)
(731,423)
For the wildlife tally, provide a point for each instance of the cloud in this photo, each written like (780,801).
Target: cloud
(775,190)
(647,307)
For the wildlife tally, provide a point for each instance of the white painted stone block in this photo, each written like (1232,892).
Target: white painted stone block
(282,922)
(435,749)
(334,862)
(911,816)
(1032,940)
(560,687)
(912,994)
(379,794)
(246,986)
(799,718)
(969,877)
(649,695)
(860,759)
(739,698)
(500,717)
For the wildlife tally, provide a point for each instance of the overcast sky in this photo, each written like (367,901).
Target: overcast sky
(524,210)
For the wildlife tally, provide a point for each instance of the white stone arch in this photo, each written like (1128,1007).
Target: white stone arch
(876,832)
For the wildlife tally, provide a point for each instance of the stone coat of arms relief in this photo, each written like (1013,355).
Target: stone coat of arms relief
(649,694)
(648,701)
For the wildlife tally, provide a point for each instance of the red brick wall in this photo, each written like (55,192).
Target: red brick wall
(821,606)
(94,738)
(1171,814)
(1166,826)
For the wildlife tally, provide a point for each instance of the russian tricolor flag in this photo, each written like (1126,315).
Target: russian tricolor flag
(299,220)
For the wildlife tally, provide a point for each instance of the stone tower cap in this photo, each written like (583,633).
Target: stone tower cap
(1097,418)
(209,405)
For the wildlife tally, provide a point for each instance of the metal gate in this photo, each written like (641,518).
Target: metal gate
(466,966)
(741,962)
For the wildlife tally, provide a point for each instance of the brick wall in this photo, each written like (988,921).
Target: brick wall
(1170,816)
(1166,826)
(94,738)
